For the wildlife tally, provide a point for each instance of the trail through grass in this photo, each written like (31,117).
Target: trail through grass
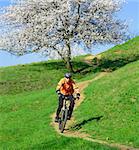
(110,110)
(27,100)
(25,124)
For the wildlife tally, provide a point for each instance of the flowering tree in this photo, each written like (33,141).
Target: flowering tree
(53,26)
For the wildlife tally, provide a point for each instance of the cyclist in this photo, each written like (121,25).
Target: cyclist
(65,88)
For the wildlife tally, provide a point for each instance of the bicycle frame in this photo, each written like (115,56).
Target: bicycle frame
(66,103)
(64,114)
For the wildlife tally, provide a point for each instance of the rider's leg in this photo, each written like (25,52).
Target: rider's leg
(71,107)
(60,105)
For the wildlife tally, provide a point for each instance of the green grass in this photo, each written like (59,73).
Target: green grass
(28,99)
(25,123)
(37,76)
(118,56)
(110,110)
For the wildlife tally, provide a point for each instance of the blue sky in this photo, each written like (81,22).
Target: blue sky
(4,2)
(130,12)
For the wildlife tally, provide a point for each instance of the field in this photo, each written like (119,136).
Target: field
(109,111)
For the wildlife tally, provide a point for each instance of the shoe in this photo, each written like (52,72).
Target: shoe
(56,119)
(68,117)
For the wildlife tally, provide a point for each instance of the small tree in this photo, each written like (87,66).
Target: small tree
(52,26)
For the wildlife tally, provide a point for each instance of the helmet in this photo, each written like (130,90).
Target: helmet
(68,75)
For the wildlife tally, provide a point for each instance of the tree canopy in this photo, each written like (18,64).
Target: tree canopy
(52,26)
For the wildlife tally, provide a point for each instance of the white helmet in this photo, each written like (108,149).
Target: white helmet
(68,75)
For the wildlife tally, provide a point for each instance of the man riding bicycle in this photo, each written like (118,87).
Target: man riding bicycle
(66,88)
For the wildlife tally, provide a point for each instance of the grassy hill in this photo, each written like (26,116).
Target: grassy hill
(110,110)
(28,99)
(26,124)
(113,101)
(118,56)
(37,76)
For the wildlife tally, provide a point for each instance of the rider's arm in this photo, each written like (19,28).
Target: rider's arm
(60,83)
(75,87)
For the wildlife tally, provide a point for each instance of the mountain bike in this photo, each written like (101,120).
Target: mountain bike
(64,114)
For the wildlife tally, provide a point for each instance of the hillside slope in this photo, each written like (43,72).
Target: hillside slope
(25,124)
(113,99)
(28,99)
(118,56)
(42,75)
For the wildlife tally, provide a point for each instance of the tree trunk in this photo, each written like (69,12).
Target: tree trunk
(69,65)
(68,59)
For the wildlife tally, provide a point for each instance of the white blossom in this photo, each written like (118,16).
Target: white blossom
(52,26)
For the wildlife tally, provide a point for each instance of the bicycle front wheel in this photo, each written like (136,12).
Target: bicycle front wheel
(62,124)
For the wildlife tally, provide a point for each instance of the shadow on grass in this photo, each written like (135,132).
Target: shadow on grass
(59,65)
(38,76)
(108,64)
(97,65)
(79,125)
(49,65)
(116,63)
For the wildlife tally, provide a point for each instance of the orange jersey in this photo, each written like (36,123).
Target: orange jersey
(67,88)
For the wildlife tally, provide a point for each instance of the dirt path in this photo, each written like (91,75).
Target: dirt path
(89,58)
(68,133)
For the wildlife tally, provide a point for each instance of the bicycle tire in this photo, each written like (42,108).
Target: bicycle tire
(65,120)
(62,124)
(61,121)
